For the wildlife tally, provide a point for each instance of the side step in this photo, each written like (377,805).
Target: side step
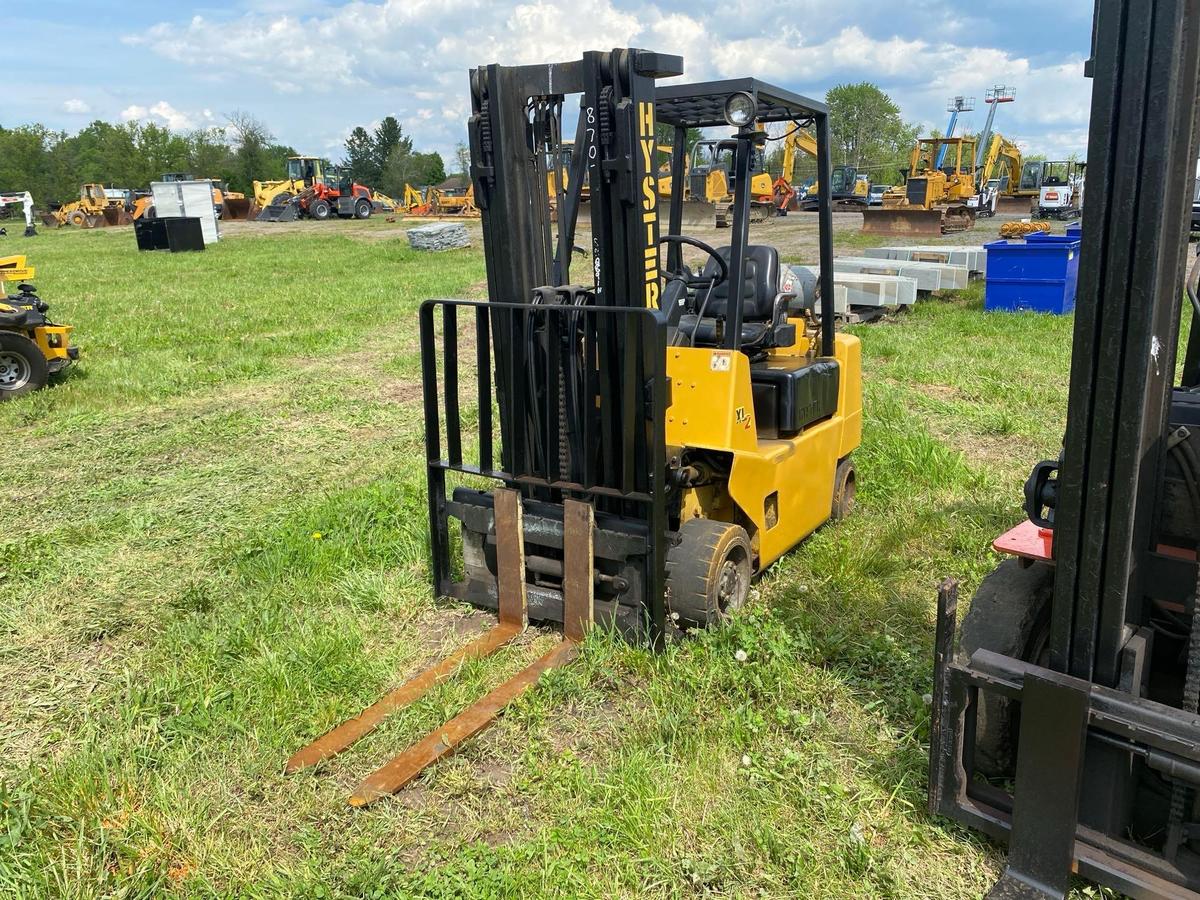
(578,520)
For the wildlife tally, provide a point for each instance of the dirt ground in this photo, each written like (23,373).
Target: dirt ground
(795,235)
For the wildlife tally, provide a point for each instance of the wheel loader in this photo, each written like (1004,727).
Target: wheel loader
(32,347)
(658,426)
(1067,721)
(95,208)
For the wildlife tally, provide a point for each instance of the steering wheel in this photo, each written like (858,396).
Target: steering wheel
(686,275)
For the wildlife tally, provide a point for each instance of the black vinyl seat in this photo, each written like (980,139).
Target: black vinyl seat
(764,309)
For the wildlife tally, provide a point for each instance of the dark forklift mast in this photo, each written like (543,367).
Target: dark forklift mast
(1142,141)
(1105,767)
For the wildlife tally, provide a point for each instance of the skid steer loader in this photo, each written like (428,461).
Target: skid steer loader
(655,435)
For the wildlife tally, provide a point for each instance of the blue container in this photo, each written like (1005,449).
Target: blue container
(1039,276)
(1074,231)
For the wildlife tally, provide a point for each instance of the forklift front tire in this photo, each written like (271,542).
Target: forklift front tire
(1010,615)
(844,491)
(23,367)
(708,572)
(319,210)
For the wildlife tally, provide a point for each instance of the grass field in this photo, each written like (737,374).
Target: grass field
(214,548)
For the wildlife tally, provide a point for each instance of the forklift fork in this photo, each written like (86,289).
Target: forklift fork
(578,522)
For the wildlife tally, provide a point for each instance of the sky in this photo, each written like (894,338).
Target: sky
(312,70)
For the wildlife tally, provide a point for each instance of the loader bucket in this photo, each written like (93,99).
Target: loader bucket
(280,212)
(94,221)
(116,215)
(902,221)
(236,208)
(50,220)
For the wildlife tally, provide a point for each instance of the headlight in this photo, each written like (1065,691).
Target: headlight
(740,109)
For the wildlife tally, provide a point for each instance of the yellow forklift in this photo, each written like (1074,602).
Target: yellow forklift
(656,435)
(32,348)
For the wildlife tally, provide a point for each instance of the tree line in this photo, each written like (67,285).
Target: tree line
(52,165)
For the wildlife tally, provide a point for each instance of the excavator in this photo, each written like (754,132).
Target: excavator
(848,187)
(934,199)
(998,176)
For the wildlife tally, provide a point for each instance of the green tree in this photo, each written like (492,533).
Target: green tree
(360,157)
(407,167)
(462,159)
(253,158)
(209,155)
(866,129)
(387,139)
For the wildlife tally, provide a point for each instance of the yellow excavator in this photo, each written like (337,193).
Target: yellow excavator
(848,187)
(933,200)
(999,175)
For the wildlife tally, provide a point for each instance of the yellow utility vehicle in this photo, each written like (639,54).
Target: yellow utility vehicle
(32,348)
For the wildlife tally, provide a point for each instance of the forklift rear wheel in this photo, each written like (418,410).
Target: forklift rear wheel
(844,491)
(319,209)
(22,366)
(362,209)
(1009,614)
(708,572)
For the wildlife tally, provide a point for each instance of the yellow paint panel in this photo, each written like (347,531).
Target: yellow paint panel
(712,408)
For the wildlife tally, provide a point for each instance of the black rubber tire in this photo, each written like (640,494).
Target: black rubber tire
(37,372)
(708,572)
(362,208)
(844,490)
(319,210)
(1009,614)
(77,218)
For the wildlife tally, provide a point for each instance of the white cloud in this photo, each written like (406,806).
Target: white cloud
(163,113)
(402,55)
(76,107)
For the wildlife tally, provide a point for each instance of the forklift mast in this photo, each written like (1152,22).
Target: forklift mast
(1107,758)
(1142,142)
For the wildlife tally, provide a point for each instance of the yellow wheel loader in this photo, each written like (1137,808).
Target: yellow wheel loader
(933,200)
(95,208)
(32,348)
(654,436)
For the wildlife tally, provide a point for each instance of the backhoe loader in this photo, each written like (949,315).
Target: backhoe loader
(933,200)
(653,435)
(32,348)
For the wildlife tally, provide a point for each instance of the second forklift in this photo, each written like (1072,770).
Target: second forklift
(656,435)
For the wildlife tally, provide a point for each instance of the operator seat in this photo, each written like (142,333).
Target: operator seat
(764,308)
